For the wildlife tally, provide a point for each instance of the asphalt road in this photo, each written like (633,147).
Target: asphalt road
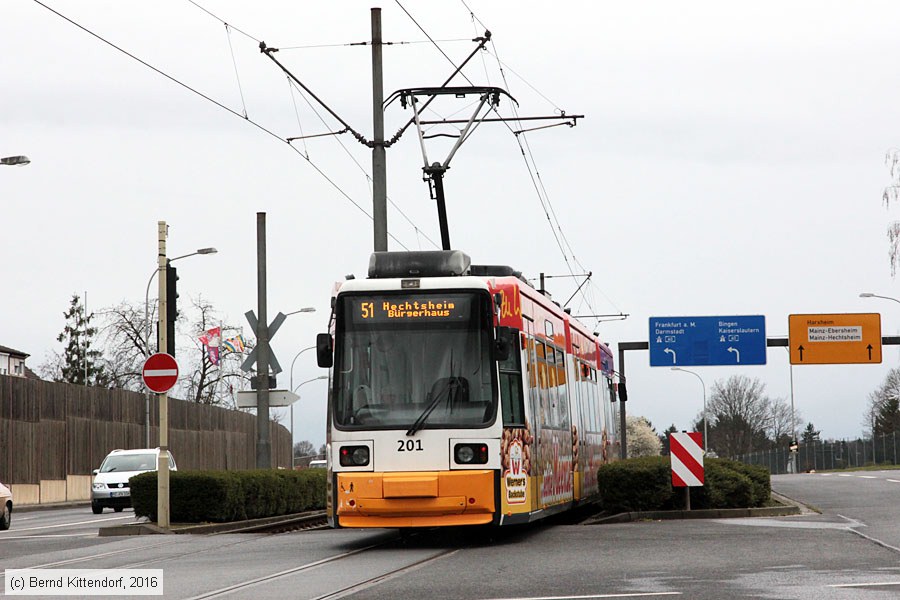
(37,531)
(849,551)
(871,499)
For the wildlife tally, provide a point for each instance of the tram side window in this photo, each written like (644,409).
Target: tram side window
(596,402)
(511,398)
(590,399)
(610,409)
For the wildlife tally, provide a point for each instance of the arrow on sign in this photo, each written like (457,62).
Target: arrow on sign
(736,352)
(869,347)
(800,348)
(672,352)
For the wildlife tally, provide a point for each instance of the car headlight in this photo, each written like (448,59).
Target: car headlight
(99,486)
(471,454)
(354,456)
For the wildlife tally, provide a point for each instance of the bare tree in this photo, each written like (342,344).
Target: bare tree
(121,336)
(739,414)
(124,349)
(780,430)
(304,451)
(206,382)
(892,192)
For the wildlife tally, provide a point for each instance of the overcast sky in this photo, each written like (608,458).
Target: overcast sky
(730,162)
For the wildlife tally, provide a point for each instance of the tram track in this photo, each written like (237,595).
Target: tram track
(306,522)
(334,562)
(225,591)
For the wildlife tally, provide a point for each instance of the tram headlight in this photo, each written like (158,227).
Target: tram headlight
(471,454)
(354,456)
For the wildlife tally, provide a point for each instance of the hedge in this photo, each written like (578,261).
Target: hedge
(645,484)
(220,496)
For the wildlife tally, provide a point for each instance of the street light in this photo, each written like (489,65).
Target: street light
(705,442)
(294,389)
(871,295)
(147,294)
(20,161)
(296,356)
(299,385)
(147,325)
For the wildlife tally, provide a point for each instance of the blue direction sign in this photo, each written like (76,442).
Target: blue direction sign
(707,341)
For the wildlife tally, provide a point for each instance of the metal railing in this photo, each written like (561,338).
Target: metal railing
(819,456)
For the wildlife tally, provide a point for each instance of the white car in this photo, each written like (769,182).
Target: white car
(6,508)
(111,487)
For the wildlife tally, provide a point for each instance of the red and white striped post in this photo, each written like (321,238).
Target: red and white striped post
(686,452)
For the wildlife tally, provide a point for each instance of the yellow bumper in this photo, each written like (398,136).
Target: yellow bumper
(425,499)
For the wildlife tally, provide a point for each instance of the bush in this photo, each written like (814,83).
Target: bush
(645,484)
(220,496)
(636,484)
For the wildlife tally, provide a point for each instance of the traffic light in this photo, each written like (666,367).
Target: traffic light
(171,307)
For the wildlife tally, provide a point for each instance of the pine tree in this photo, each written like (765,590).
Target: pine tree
(80,364)
(810,434)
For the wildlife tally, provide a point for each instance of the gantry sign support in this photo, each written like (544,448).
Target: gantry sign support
(770,343)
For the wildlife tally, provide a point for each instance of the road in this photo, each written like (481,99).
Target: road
(821,556)
(868,498)
(36,532)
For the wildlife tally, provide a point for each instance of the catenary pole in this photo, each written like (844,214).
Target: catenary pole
(263,445)
(379,159)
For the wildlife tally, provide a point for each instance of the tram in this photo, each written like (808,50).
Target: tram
(460,395)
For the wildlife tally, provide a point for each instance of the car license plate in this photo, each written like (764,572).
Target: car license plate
(120,494)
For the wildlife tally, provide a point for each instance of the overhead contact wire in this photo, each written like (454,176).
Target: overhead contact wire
(220,105)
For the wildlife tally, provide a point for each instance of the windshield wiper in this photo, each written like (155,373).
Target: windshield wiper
(420,422)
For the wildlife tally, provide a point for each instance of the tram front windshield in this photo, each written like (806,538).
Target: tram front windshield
(413,361)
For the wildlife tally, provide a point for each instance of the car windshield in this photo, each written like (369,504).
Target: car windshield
(129,462)
(414,361)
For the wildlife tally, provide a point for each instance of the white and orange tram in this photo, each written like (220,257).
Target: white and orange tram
(460,395)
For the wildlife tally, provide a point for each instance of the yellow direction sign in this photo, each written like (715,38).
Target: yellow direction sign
(835,339)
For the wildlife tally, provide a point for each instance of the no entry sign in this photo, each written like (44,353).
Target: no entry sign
(687,459)
(160,372)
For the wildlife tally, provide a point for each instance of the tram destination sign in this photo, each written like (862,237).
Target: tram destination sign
(707,341)
(407,308)
(839,339)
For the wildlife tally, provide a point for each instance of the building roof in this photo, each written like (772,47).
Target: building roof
(13,352)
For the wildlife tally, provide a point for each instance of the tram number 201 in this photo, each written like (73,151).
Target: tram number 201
(409,446)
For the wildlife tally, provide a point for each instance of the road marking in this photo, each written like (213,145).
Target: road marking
(849,585)
(893,480)
(844,475)
(17,530)
(826,474)
(867,477)
(847,525)
(631,595)
(58,535)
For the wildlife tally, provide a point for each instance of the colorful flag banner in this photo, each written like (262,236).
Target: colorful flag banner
(235,344)
(213,339)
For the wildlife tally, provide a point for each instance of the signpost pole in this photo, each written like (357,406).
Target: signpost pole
(162,478)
